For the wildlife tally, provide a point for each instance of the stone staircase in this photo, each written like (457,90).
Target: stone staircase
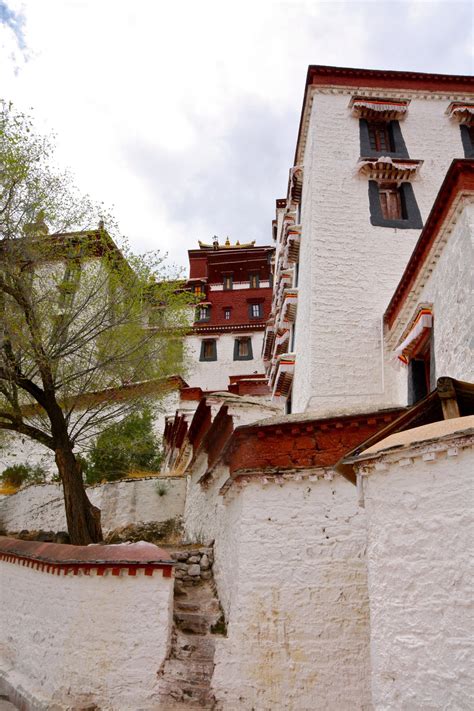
(185,677)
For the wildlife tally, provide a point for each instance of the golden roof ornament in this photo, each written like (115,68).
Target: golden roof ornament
(227,245)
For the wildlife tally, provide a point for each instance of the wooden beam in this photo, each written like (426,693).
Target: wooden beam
(448,397)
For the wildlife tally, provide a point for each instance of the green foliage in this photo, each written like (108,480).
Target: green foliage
(19,474)
(161,489)
(79,347)
(80,312)
(126,445)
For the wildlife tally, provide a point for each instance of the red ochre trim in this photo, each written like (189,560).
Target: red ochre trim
(319,75)
(348,76)
(459,179)
(58,559)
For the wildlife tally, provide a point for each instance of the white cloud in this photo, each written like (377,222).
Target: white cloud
(169,111)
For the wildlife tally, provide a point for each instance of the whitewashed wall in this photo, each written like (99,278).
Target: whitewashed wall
(290,571)
(72,641)
(214,375)
(124,502)
(449,288)
(349,268)
(419,505)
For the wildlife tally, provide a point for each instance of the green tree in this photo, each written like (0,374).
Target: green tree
(130,443)
(75,314)
(19,474)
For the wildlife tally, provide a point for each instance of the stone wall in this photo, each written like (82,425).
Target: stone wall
(193,564)
(348,267)
(122,503)
(290,572)
(419,508)
(77,638)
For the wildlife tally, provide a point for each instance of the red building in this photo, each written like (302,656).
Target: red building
(235,288)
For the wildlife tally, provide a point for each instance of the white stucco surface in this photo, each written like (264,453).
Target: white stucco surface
(419,505)
(291,577)
(448,288)
(349,268)
(72,641)
(214,375)
(121,503)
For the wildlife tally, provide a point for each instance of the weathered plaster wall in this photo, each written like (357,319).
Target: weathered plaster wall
(349,268)
(207,518)
(419,507)
(291,576)
(214,375)
(72,641)
(121,503)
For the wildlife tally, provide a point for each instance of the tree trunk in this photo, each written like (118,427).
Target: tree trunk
(83,519)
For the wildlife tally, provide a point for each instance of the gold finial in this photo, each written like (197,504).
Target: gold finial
(227,242)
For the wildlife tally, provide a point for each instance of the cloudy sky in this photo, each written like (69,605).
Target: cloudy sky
(184,115)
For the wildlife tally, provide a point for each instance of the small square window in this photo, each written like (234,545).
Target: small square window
(379,136)
(208,350)
(255,310)
(198,290)
(203,313)
(228,282)
(243,349)
(254,280)
(391,202)
(394,206)
(227,313)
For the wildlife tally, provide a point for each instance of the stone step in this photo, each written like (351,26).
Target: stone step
(185,692)
(186,606)
(169,705)
(189,671)
(196,647)
(191,622)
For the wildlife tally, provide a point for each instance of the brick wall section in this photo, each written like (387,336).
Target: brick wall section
(304,444)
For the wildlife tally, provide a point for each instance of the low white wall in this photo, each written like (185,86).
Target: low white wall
(290,571)
(419,506)
(124,502)
(74,641)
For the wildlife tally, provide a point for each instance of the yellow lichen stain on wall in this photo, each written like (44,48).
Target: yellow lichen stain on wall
(278,653)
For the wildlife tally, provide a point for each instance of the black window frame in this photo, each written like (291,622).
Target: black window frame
(227,310)
(236,348)
(396,139)
(410,208)
(467,141)
(198,314)
(208,359)
(260,311)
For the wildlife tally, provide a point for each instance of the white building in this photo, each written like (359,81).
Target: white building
(372,151)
